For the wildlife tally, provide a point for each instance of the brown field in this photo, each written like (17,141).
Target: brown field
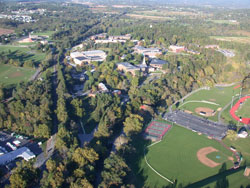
(148,17)
(167,13)
(16,74)
(6,31)
(247,171)
(123,6)
(241,32)
(244,40)
(202,156)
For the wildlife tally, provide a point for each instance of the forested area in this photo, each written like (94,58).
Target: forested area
(29,110)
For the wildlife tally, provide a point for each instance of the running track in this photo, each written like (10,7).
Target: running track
(235,107)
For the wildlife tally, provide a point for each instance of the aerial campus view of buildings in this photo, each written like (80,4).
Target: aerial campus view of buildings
(195,120)
(192,133)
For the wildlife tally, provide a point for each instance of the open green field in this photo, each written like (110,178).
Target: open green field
(175,158)
(215,98)
(141,16)
(26,44)
(244,109)
(22,53)
(230,22)
(235,180)
(12,75)
(242,146)
(218,157)
(46,33)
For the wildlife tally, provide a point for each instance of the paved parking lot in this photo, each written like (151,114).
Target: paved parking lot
(198,124)
(5,138)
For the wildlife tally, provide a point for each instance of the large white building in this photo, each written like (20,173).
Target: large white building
(80,58)
(23,152)
(150,52)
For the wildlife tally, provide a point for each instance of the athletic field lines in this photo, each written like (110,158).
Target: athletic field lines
(195,101)
(175,158)
(159,174)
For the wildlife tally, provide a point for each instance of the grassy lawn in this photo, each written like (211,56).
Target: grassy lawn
(244,109)
(224,22)
(175,157)
(45,33)
(12,75)
(26,44)
(22,53)
(218,157)
(242,146)
(237,179)
(139,16)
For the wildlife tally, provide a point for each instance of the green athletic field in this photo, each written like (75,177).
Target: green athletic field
(22,53)
(244,109)
(175,158)
(237,179)
(218,95)
(12,75)
(45,33)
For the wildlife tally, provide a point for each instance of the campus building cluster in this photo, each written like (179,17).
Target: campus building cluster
(80,58)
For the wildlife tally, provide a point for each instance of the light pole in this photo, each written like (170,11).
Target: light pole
(240,92)
(232,102)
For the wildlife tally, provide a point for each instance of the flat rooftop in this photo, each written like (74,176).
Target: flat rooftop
(23,152)
(128,65)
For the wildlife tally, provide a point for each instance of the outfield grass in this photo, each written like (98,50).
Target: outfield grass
(22,53)
(244,109)
(26,44)
(242,146)
(235,180)
(218,157)
(175,157)
(140,16)
(12,75)
(219,95)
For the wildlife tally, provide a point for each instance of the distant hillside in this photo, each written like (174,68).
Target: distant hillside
(220,3)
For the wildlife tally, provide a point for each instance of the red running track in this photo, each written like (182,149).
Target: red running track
(235,107)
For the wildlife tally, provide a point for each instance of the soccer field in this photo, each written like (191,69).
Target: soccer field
(176,158)
(12,75)
(22,53)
